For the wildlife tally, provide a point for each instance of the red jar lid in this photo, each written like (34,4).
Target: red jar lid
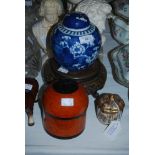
(65,99)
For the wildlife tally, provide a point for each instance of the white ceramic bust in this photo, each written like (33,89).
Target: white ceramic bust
(97,11)
(50,10)
(71,4)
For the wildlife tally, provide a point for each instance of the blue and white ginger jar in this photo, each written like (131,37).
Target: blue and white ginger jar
(76,42)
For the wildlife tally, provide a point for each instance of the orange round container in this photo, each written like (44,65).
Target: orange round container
(64,107)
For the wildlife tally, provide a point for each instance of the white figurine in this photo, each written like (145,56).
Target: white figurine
(97,12)
(72,3)
(50,10)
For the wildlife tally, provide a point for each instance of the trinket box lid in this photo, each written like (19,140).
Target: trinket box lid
(105,99)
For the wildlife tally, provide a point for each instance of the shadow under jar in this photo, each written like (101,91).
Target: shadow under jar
(109,107)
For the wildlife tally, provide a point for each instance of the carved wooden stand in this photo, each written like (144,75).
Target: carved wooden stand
(92,78)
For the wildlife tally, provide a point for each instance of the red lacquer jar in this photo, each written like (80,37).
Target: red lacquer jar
(64,109)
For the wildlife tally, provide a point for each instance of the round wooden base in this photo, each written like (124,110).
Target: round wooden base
(92,78)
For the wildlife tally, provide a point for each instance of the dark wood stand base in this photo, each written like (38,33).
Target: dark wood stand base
(92,78)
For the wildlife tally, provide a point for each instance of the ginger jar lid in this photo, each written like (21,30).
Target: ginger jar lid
(76,20)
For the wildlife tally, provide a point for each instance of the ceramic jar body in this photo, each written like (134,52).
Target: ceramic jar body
(76,42)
